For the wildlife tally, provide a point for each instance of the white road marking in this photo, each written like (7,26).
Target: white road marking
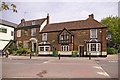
(48,61)
(103,73)
(112,61)
(97,67)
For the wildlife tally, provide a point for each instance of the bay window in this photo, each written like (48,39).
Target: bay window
(94,47)
(65,48)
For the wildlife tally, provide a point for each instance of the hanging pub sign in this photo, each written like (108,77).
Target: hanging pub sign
(109,36)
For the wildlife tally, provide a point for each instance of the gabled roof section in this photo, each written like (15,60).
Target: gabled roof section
(72,25)
(66,30)
(7,23)
(29,23)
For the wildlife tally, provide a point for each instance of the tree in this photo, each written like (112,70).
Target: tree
(113,24)
(6,7)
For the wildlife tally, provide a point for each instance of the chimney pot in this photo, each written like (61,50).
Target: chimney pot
(48,18)
(91,16)
(22,20)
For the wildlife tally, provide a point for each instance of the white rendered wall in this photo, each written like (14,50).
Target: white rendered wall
(5,36)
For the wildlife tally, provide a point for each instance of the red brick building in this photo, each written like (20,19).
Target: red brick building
(85,36)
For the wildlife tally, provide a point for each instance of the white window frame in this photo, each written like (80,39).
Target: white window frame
(44,48)
(19,33)
(33,22)
(32,32)
(64,47)
(92,34)
(44,38)
(89,49)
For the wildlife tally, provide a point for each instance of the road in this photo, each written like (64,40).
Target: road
(51,67)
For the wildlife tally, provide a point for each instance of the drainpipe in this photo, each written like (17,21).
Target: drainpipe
(101,41)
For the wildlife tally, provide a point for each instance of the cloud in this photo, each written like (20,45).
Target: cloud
(61,11)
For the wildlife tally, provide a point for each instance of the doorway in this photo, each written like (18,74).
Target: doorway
(81,50)
(34,49)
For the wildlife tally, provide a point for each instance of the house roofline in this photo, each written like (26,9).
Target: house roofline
(27,27)
(7,25)
(73,29)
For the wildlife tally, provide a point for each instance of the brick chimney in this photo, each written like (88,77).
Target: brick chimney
(22,20)
(48,18)
(91,16)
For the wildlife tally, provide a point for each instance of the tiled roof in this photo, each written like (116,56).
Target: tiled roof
(80,24)
(8,23)
(29,23)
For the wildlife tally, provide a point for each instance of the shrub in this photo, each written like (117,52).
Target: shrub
(21,51)
(112,51)
(55,53)
(74,53)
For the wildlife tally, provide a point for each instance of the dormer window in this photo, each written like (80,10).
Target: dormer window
(34,22)
(24,24)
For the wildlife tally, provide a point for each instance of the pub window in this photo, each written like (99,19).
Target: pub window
(33,31)
(93,47)
(3,30)
(34,22)
(64,48)
(99,47)
(19,33)
(47,49)
(12,33)
(61,37)
(44,48)
(93,33)
(25,32)
(44,37)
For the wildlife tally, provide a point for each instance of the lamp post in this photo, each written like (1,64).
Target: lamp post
(101,41)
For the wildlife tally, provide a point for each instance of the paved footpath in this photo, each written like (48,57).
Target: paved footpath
(52,67)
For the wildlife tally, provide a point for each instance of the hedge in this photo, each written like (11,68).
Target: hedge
(112,51)
(74,53)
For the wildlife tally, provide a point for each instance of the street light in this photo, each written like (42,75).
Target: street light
(101,41)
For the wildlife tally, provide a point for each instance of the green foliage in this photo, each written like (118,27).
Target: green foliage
(113,24)
(5,6)
(12,48)
(74,53)
(21,51)
(53,41)
(112,51)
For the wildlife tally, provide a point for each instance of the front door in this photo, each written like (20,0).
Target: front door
(34,44)
(81,51)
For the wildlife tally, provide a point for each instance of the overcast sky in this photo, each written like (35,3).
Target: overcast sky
(61,11)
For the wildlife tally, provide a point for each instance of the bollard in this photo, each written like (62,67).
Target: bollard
(59,56)
(30,56)
(89,56)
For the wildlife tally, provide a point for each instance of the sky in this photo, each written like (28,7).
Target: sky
(61,11)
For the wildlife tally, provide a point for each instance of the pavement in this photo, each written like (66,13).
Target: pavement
(66,67)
